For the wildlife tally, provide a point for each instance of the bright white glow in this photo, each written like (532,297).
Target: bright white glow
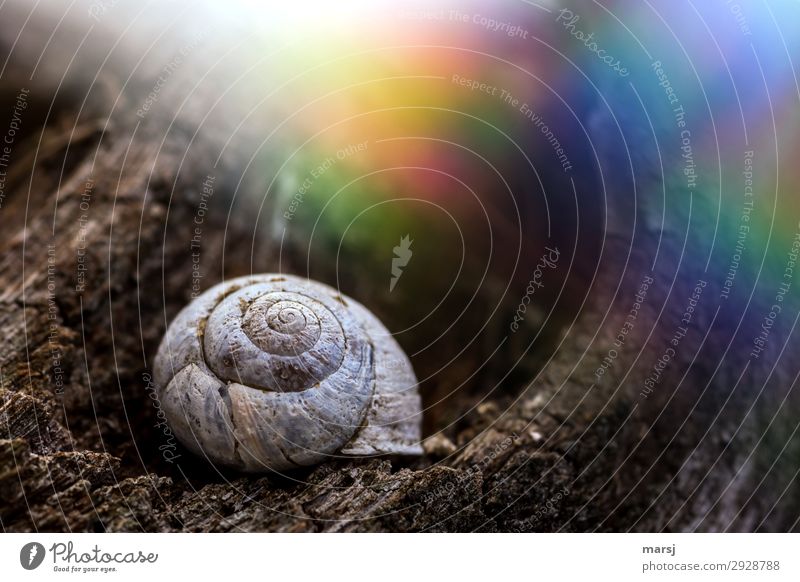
(289,13)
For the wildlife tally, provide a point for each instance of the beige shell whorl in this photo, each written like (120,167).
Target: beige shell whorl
(277,372)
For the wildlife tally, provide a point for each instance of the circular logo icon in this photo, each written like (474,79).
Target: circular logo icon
(31,555)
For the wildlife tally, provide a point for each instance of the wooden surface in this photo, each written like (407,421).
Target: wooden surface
(566,454)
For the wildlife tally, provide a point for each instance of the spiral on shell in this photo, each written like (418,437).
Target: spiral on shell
(276,372)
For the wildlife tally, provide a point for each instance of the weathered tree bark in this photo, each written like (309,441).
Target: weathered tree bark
(93,261)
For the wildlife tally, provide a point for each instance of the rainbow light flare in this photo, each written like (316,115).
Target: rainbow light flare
(486,131)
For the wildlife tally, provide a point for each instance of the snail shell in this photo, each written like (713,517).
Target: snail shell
(276,372)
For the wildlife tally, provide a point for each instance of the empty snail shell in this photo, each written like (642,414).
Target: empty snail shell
(276,372)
